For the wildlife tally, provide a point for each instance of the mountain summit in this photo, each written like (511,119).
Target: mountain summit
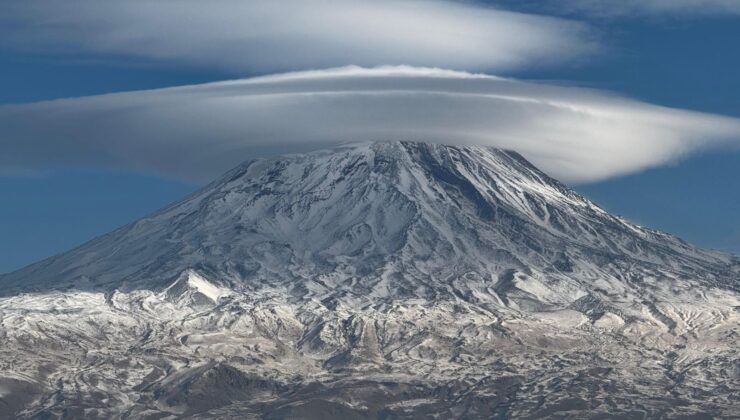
(385,279)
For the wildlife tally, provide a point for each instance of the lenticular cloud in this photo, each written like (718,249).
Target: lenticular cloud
(196,132)
(267,36)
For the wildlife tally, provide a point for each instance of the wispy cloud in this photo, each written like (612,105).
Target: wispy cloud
(197,132)
(263,36)
(652,7)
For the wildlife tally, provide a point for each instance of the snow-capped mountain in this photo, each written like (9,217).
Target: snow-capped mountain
(386,279)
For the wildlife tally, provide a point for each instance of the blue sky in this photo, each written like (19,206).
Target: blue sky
(684,59)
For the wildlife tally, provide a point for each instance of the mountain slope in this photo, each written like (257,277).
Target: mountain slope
(407,277)
(361,211)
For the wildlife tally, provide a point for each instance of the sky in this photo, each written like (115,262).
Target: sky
(634,104)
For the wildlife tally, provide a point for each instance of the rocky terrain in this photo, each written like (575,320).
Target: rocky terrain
(375,280)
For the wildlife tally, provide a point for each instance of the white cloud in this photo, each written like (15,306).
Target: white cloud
(265,36)
(196,132)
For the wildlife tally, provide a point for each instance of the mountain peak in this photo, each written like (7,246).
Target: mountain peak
(460,271)
(391,215)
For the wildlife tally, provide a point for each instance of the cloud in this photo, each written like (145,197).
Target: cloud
(265,36)
(197,132)
(653,7)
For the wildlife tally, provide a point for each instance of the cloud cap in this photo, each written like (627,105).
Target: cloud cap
(197,132)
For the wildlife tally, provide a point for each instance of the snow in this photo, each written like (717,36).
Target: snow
(408,263)
(203,286)
(609,321)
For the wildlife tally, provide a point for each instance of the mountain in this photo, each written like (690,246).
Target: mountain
(376,280)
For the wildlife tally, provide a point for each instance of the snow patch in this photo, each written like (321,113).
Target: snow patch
(205,287)
(609,321)
(191,283)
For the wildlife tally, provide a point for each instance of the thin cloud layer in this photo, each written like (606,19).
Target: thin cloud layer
(654,7)
(197,132)
(263,36)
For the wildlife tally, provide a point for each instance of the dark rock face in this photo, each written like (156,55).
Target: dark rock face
(380,280)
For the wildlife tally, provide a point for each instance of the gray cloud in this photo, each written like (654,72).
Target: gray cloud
(269,35)
(197,132)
